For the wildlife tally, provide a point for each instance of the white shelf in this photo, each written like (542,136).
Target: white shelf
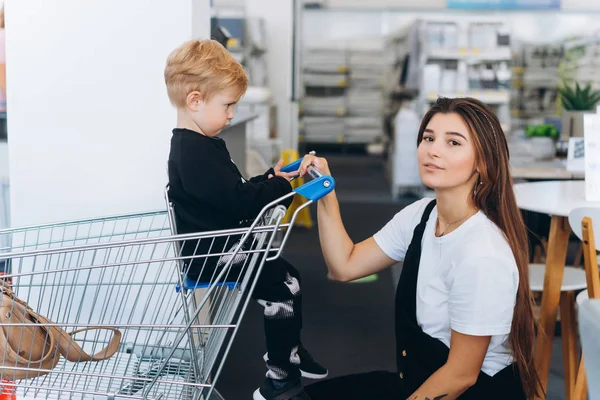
(487,96)
(341,139)
(498,54)
(377,5)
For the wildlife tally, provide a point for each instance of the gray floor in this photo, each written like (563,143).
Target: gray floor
(348,327)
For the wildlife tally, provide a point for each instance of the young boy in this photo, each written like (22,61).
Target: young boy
(209,193)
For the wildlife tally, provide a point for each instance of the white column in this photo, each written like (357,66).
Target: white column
(279,21)
(90,121)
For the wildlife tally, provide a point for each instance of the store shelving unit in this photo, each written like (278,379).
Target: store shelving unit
(467,57)
(535,82)
(497,54)
(582,60)
(343,97)
(487,96)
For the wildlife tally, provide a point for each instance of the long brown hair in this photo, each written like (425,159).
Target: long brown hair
(494,196)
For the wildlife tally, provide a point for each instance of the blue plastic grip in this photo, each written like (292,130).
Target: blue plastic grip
(292,167)
(317,188)
(320,186)
(192,284)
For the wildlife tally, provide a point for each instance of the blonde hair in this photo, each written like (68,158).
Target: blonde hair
(205,66)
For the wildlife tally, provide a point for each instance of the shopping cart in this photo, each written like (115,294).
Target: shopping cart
(124,272)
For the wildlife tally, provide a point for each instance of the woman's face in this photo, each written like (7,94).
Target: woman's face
(446,154)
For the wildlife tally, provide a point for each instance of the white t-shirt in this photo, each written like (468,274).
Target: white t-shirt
(467,280)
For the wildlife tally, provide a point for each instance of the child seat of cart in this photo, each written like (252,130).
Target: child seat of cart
(189,283)
(192,284)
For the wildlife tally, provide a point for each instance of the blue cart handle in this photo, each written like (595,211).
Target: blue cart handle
(293,167)
(318,187)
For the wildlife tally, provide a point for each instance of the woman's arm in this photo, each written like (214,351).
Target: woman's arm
(460,372)
(345,260)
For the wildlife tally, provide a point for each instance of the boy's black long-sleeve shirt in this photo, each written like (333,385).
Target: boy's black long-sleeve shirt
(207,189)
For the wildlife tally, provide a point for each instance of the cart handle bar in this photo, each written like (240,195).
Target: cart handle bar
(318,187)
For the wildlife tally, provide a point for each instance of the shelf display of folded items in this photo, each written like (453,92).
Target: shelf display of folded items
(325,60)
(363,136)
(323,129)
(365,102)
(316,126)
(366,60)
(363,129)
(326,106)
(325,80)
(364,123)
(367,79)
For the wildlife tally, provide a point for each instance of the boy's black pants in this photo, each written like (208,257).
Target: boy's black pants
(278,291)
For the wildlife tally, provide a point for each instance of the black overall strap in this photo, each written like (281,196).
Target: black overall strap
(406,293)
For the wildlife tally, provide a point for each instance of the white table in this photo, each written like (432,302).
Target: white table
(551,169)
(556,198)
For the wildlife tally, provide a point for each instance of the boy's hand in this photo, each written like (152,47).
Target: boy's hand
(286,175)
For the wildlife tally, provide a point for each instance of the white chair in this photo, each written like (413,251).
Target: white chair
(573,278)
(584,222)
(589,326)
(575,220)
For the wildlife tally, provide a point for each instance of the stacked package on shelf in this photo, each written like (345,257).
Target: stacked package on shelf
(365,102)
(315,80)
(323,129)
(367,129)
(344,99)
(366,64)
(329,59)
(324,105)
(324,75)
(365,122)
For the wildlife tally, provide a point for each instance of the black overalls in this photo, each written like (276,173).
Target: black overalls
(418,355)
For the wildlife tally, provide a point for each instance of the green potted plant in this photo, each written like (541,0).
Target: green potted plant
(543,140)
(576,102)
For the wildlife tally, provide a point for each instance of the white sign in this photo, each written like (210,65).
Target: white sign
(576,155)
(591,134)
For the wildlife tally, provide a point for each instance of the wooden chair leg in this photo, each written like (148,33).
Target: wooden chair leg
(555,262)
(578,256)
(537,254)
(569,341)
(580,388)
(544,248)
(539,251)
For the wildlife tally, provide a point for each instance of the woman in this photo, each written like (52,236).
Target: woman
(464,316)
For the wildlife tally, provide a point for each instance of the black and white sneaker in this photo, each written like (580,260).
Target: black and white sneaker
(309,368)
(292,390)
